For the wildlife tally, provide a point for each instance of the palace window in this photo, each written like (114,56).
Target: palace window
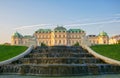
(63,35)
(104,42)
(79,41)
(46,36)
(74,36)
(63,41)
(73,42)
(69,41)
(55,41)
(56,36)
(15,42)
(59,35)
(46,41)
(59,41)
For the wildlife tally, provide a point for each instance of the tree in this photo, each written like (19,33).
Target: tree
(118,41)
(43,44)
(76,44)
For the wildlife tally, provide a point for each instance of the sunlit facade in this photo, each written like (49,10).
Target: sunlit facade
(102,38)
(114,39)
(62,36)
(18,39)
(59,36)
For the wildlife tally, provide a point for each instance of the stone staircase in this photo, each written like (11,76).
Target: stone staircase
(59,61)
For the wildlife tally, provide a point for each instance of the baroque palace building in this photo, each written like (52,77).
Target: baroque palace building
(59,36)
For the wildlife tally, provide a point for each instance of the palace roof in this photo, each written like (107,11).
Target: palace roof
(60,28)
(16,34)
(43,31)
(75,30)
(103,34)
(28,36)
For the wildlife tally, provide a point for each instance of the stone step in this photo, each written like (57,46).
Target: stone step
(60,69)
(31,55)
(59,61)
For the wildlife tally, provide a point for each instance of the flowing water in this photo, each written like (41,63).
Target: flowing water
(93,76)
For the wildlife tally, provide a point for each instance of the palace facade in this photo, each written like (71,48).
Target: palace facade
(59,36)
(114,39)
(102,38)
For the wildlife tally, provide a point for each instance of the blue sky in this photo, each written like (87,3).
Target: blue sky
(26,16)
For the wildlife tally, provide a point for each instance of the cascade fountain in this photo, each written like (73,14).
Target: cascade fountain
(59,61)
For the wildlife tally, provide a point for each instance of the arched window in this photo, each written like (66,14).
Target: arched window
(15,42)
(104,42)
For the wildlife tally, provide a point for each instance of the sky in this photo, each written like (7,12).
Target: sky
(27,16)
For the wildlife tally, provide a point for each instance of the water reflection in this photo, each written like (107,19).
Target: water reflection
(94,76)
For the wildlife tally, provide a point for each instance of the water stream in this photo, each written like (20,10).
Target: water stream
(93,76)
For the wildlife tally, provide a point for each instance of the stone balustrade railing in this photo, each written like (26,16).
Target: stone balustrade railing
(105,59)
(18,56)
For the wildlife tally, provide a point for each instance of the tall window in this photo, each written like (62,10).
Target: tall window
(73,42)
(55,41)
(64,41)
(15,42)
(59,41)
(46,42)
(63,35)
(59,35)
(55,35)
(69,41)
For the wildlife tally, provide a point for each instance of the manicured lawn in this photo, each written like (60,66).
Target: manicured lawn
(7,51)
(111,51)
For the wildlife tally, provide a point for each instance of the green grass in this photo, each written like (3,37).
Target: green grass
(7,51)
(111,51)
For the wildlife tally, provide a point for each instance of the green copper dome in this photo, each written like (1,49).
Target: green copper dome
(103,34)
(16,34)
(60,28)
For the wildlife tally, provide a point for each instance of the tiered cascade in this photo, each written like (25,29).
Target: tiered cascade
(59,61)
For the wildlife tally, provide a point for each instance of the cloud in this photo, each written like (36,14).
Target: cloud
(96,23)
(115,20)
(30,26)
(118,14)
